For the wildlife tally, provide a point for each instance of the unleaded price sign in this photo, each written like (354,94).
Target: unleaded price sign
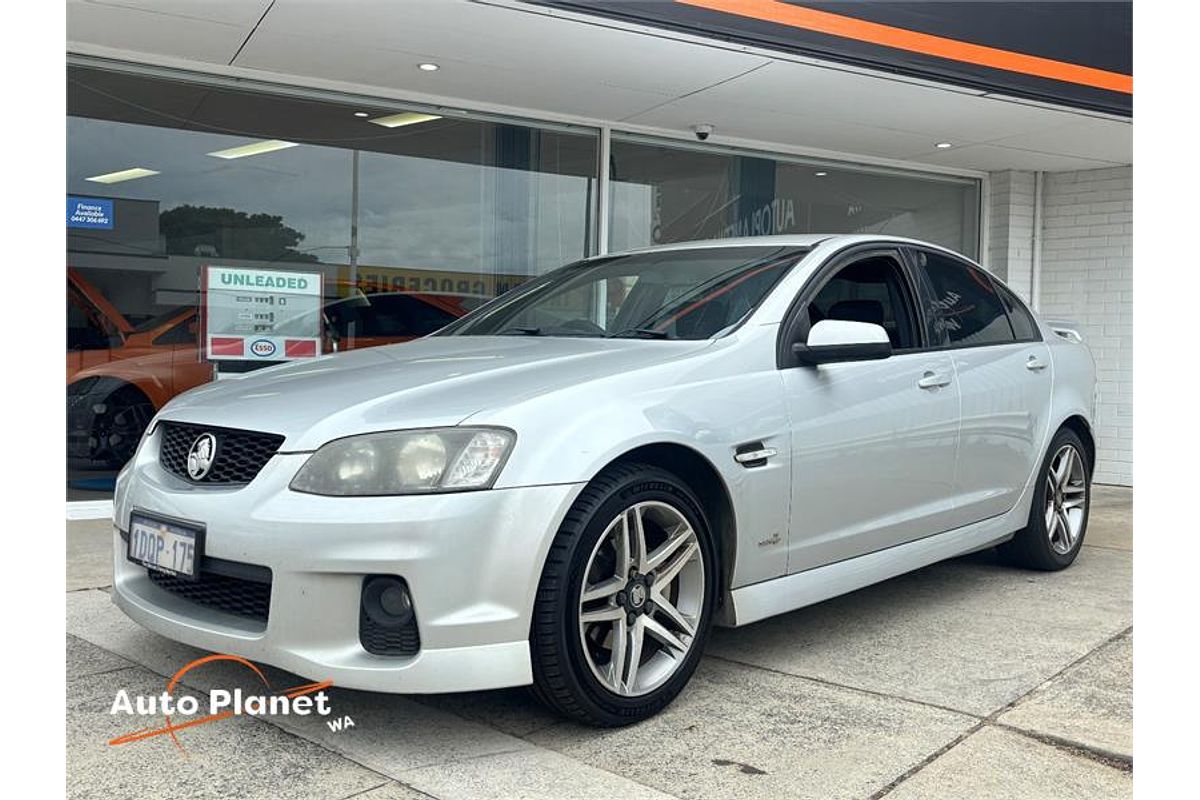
(261,315)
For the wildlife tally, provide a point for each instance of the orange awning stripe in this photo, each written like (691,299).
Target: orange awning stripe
(913,41)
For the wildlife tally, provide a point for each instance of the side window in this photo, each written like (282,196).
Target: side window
(967,309)
(871,290)
(182,333)
(400,315)
(1022,321)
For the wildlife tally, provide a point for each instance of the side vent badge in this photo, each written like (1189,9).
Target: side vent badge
(753,454)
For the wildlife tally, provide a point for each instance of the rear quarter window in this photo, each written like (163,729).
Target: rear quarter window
(968,311)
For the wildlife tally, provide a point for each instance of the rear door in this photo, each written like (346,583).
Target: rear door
(1004,378)
(873,442)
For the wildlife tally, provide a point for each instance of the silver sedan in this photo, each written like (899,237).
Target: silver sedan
(569,486)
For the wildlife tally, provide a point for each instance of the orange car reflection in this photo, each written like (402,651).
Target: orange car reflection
(120,374)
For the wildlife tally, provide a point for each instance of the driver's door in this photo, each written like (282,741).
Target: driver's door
(873,442)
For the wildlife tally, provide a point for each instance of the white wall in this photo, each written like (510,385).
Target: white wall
(1010,209)
(1086,275)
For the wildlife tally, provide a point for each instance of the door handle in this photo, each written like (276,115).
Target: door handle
(933,380)
(1035,364)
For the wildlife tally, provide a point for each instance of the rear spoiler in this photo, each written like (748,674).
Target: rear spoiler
(1066,329)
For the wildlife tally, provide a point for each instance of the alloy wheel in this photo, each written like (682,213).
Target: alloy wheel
(1066,499)
(642,598)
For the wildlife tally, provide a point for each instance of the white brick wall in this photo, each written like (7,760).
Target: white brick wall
(1010,209)
(1086,276)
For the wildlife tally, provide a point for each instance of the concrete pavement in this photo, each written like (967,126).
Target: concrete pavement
(965,679)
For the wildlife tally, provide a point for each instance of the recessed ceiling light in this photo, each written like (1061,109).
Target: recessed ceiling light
(405,118)
(258,148)
(428,67)
(123,175)
(943,145)
(361,114)
(821,174)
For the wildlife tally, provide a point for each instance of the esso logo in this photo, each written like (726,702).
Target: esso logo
(263,348)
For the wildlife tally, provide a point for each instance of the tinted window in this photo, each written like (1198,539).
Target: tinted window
(966,309)
(386,315)
(183,333)
(402,315)
(1022,321)
(871,290)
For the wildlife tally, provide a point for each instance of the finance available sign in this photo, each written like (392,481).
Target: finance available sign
(261,315)
(90,213)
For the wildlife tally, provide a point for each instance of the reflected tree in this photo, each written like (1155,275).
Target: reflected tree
(228,233)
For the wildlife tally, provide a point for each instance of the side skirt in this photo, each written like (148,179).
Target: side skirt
(790,592)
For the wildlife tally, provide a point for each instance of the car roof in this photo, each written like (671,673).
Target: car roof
(785,240)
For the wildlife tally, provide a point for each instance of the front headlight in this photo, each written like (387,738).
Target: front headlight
(406,462)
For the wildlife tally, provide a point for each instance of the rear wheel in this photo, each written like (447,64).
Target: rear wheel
(1059,516)
(626,598)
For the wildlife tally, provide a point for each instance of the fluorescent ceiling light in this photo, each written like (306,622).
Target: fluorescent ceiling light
(821,174)
(428,66)
(407,118)
(943,145)
(123,175)
(258,148)
(361,114)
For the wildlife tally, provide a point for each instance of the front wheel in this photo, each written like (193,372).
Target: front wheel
(626,597)
(1059,516)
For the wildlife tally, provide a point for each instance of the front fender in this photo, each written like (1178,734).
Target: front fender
(710,404)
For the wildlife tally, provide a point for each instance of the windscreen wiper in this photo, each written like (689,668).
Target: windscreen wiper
(640,333)
(520,331)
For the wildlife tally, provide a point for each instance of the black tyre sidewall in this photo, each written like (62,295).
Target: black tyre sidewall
(596,704)
(1037,544)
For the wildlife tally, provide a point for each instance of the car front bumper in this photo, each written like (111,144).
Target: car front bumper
(472,561)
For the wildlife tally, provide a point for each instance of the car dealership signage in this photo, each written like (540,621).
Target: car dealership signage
(261,315)
(90,213)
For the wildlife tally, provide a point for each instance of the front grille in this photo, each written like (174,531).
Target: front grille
(238,458)
(385,641)
(239,596)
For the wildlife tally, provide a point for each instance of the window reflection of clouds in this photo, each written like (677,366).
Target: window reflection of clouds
(308,186)
(413,212)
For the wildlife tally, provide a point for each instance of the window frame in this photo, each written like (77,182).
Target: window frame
(796,323)
(911,252)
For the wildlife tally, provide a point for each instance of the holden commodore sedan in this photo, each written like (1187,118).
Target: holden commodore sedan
(570,485)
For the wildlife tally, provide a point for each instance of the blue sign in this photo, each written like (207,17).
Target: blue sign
(89,212)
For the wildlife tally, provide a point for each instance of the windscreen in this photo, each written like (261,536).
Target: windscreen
(674,294)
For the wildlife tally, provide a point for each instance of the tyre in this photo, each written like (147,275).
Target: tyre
(626,598)
(1061,502)
(117,431)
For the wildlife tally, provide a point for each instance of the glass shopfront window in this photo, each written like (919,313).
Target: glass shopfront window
(394,222)
(405,219)
(669,193)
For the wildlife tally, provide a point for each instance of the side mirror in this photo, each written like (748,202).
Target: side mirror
(834,340)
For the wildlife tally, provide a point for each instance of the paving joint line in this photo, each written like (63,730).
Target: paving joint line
(990,719)
(849,687)
(361,792)
(1108,758)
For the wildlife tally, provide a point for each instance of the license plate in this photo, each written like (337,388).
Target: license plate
(165,545)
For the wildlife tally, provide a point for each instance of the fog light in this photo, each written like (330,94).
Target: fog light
(386,601)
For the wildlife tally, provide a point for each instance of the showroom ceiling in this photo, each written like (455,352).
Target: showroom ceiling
(510,57)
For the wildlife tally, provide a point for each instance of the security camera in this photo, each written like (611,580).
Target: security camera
(702,131)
